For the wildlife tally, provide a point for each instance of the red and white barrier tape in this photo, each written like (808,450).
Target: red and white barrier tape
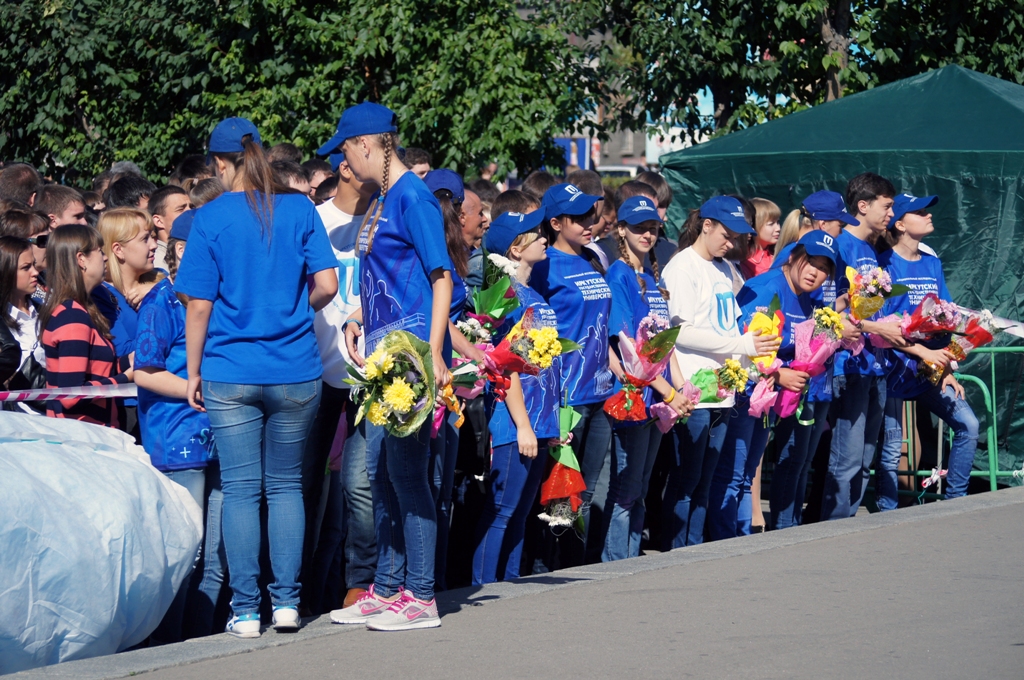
(119,390)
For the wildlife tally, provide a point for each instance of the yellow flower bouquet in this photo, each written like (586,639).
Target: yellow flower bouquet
(395,388)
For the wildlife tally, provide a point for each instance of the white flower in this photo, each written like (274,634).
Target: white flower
(503,263)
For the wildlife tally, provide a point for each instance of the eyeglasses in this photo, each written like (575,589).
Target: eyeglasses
(39,241)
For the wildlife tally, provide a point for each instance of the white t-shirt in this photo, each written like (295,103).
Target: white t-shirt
(702,302)
(28,339)
(342,230)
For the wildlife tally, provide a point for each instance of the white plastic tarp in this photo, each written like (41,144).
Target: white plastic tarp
(94,541)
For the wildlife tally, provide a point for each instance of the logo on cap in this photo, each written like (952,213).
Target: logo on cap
(521,216)
(827,240)
(738,214)
(576,193)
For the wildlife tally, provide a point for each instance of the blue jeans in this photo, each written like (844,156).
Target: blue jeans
(404,510)
(170,628)
(590,441)
(442,480)
(261,435)
(361,540)
(698,445)
(960,418)
(887,488)
(729,502)
(634,450)
(215,559)
(860,403)
(514,482)
(789,477)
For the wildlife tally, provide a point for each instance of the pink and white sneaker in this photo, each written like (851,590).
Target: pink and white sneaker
(368,606)
(407,613)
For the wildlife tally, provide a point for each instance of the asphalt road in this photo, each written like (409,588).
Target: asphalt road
(931,592)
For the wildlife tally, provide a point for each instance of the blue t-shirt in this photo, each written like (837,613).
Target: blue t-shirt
(582,302)
(123,321)
(540,392)
(460,294)
(760,291)
(629,307)
(175,435)
(921,277)
(408,246)
(857,254)
(261,327)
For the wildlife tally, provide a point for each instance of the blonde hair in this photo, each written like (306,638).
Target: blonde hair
(522,241)
(796,221)
(765,211)
(121,225)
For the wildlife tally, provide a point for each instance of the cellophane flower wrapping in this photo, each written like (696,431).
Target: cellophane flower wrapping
(763,396)
(870,287)
(491,305)
(643,360)
(770,321)
(665,416)
(815,341)
(560,494)
(468,379)
(931,317)
(975,330)
(395,388)
(878,341)
(529,348)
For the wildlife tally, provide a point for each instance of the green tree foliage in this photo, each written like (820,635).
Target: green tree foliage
(759,59)
(87,82)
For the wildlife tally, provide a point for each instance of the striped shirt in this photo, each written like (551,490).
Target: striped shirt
(76,355)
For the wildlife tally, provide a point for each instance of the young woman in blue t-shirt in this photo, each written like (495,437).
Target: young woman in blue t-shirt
(571,279)
(810,263)
(522,424)
(909,265)
(405,284)
(178,439)
(636,295)
(253,362)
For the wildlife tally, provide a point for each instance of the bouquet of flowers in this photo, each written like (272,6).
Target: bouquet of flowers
(468,379)
(770,321)
(491,305)
(665,416)
(976,329)
(643,360)
(395,388)
(528,348)
(560,493)
(817,339)
(869,289)
(932,317)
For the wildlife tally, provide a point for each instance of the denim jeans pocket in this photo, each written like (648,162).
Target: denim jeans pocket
(301,393)
(224,392)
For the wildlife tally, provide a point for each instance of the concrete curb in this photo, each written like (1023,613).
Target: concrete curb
(217,646)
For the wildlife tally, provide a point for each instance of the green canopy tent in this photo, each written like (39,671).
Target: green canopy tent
(951,132)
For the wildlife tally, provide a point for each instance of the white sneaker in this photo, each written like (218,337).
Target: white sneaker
(407,613)
(286,618)
(244,626)
(366,607)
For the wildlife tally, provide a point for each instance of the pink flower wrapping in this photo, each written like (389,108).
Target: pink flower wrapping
(764,395)
(812,351)
(664,415)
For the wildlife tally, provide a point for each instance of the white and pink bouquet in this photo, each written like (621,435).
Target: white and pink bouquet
(816,340)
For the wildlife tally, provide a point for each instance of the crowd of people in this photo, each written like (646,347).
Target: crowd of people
(240,296)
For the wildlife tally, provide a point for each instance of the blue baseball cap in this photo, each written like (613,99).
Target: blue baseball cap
(336,159)
(637,210)
(227,136)
(566,199)
(728,211)
(905,203)
(828,206)
(446,180)
(818,243)
(362,119)
(182,225)
(507,226)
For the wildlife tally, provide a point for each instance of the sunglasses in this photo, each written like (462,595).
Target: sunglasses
(39,241)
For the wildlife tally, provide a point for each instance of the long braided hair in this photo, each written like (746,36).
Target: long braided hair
(387,141)
(620,241)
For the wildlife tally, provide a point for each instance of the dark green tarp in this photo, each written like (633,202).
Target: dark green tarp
(950,132)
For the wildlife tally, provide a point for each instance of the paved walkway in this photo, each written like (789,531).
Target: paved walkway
(927,592)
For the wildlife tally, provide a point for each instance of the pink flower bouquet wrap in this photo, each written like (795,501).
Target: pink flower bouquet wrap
(763,396)
(814,344)
(665,416)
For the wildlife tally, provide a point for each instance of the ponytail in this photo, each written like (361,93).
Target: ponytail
(690,230)
(387,141)
(258,179)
